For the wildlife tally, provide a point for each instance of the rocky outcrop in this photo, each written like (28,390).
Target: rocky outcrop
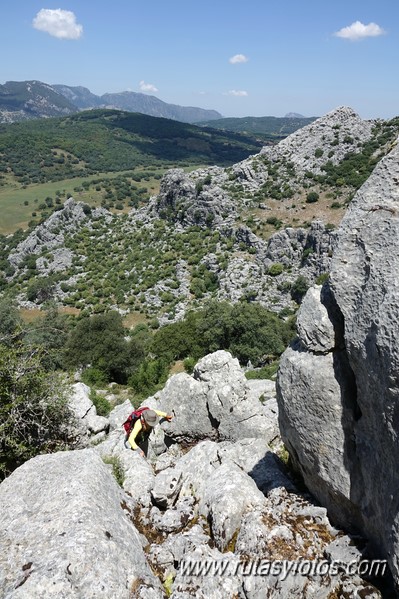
(221,405)
(51,234)
(341,129)
(64,533)
(89,426)
(195,198)
(338,386)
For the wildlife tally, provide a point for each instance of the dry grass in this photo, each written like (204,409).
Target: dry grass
(177,367)
(134,318)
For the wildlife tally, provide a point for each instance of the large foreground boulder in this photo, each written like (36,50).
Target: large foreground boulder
(338,386)
(64,534)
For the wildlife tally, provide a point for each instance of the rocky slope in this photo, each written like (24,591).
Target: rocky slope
(338,384)
(22,100)
(210,221)
(218,493)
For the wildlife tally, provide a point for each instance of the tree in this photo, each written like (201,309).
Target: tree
(299,288)
(312,197)
(34,413)
(9,320)
(99,341)
(40,289)
(51,333)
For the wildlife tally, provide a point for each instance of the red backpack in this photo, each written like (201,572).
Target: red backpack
(131,421)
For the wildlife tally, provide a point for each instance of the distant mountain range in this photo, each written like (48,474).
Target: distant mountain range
(24,100)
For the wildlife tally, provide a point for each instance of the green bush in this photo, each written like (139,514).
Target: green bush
(34,413)
(150,377)
(312,197)
(275,269)
(266,372)
(93,377)
(247,330)
(321,279)
(100,341)
(299,289)
(189,364)
(103,406)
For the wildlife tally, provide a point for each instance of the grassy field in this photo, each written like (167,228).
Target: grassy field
(17,203)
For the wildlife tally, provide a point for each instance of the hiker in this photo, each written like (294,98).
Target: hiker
(139,426)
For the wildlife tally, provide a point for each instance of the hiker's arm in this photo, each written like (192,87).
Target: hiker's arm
(163,415)
(133,435)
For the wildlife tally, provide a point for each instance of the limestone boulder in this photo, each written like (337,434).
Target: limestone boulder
(63,533)
(86,418)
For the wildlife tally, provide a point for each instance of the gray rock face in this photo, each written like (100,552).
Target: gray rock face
(64,534)
(338,409)
(229,493)
(315,328)
(68,530)
(194,199)
(216,403)
(88,422)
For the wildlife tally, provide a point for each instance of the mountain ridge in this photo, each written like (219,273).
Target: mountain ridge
(24,100)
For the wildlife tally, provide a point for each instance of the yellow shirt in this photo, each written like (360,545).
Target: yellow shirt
(138,427)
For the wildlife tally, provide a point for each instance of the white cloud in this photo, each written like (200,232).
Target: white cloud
(58,23)
(238,58)
(148,87)
(358,31)
(237,92)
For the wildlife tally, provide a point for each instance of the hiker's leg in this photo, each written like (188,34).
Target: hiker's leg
(144,446)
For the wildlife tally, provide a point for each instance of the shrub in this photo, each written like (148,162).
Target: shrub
(275,269)
(103,406)
(299,289)
(34,413)
(189,364)
(150,377)
(321,279)
(266,372)
(312,197)
(94,377)
(100,341)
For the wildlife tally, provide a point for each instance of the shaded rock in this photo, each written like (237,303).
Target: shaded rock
(254,457)
(174,519)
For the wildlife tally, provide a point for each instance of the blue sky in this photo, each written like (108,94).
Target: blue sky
(253,58)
